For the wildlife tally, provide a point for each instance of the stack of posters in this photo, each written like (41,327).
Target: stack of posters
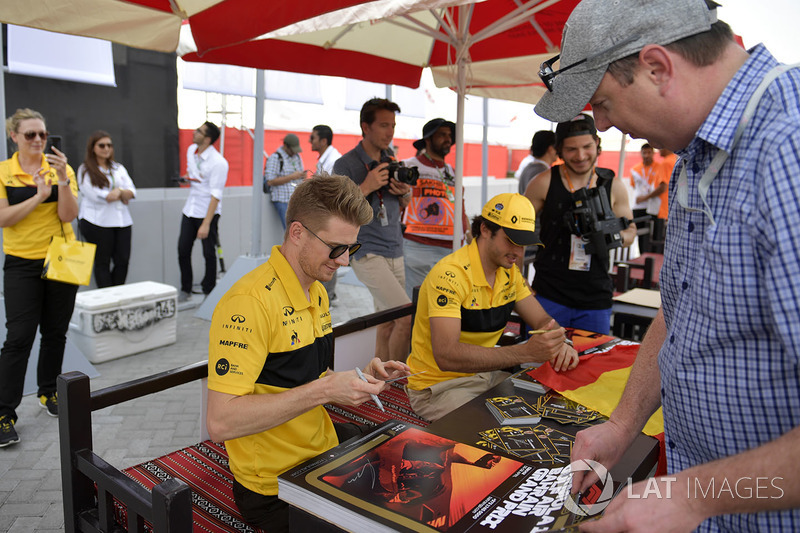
(565,411)
(513,410)
(402,478)
(524,380)
(539,443)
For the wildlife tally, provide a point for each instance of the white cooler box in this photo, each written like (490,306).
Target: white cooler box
(118,321)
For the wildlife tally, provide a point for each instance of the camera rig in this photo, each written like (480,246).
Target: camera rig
(593,220)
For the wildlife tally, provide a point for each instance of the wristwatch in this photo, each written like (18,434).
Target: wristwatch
(569,341)
(406,195)
(64,183)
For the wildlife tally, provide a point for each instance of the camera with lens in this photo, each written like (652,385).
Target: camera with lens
(593,220)
(399,171)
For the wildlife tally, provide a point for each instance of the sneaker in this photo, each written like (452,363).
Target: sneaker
(184,297)
(8,435)
(49,402)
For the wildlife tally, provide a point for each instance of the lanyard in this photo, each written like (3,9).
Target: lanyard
(444,174)
(647,172)
(592,179)
(722,156)
(110,175)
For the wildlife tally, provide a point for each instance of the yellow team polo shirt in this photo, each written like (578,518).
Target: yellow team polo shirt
(30,237)
(266,338)
(456,287)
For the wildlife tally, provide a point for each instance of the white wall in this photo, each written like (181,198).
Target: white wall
(156,225)
(156,217)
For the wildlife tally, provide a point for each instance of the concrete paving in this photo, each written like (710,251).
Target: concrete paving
(125,434)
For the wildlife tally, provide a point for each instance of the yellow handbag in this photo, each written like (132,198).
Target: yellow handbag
(69,261)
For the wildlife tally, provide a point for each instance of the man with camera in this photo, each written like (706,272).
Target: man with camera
(430,214)
(572,281)
(464,305)
(380,266)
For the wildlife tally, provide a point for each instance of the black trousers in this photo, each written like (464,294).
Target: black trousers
(32,302)
(189,227)
(113,244)
(274,515)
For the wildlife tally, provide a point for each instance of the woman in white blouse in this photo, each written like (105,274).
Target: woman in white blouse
(106,188)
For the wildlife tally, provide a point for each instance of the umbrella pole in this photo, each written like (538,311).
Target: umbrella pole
(458,231)
(258,165)
(461,89)
(3,140)
(485,166)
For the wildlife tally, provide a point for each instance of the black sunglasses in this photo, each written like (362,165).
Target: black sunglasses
(31,135)
(338,249)
(547,74)
(105,145)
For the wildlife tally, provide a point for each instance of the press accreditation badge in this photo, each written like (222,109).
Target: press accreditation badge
(382,216)
(578,258)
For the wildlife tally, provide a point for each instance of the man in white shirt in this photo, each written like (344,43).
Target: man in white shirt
(321,142)
(207,173)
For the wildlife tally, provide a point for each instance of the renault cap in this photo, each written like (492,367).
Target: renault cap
(515,214)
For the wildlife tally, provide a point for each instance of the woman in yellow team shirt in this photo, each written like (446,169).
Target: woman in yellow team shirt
(38,198)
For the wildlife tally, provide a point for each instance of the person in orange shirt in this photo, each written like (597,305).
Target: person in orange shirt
(647,184)
(666,165)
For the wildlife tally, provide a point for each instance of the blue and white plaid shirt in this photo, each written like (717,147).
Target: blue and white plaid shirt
(293,163)
(730,364)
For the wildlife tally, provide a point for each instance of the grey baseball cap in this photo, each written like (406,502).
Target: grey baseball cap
(293,142)
(599,32)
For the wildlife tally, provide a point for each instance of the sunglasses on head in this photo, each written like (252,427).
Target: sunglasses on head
(31,135)
(105,145)
(337,249)
(547,74)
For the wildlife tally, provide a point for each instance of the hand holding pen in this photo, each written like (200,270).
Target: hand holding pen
(387,371)
(374,396)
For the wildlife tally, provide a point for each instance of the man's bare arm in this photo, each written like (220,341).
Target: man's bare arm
(452,355)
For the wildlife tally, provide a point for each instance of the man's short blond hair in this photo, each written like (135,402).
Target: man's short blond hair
(318,199)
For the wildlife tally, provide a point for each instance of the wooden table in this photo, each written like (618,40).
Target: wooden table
(633,311)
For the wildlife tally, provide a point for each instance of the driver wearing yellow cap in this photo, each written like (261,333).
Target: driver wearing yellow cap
(464,305)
